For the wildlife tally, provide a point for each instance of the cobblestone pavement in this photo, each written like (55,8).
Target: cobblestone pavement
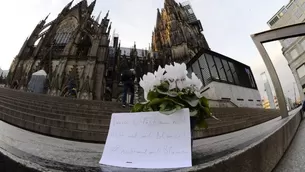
(57,153)
(294,158)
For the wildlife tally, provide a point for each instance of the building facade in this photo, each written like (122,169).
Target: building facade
(121,59)
(74,46)
(225,79)
(177,34)
(293,48)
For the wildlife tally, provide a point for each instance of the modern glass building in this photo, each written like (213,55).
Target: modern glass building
(225,78)
(211,66)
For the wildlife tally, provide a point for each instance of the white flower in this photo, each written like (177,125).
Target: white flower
(148,82)
(159,74)
(176,75)
(145,95)
(196,82)
(176,71)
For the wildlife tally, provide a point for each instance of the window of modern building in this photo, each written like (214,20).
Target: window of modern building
(274,20)
(205,70)
(196,70)
(291,5)
(220,68)
(227,70)
(301,71)
(294,53)
(212,66)
(251,79)
(233,70)
(298,13)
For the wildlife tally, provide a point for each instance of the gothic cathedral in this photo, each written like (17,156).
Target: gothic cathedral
(73,46)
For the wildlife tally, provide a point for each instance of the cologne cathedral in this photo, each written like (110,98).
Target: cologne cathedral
(177,34)
(74,45)
(78,46)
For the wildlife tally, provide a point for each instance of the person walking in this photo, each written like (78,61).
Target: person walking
(128,78)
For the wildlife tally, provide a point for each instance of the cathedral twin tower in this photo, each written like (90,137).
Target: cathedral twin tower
(76,46)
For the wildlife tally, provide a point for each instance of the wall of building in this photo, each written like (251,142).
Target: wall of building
(240,96)
(293,48)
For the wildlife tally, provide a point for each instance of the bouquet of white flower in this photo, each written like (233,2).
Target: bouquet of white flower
(170,89)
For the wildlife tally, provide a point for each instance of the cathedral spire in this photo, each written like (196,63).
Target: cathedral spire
(98,17)
(158,22)
(68,6)
(107,15)
(91,6)
(47,17)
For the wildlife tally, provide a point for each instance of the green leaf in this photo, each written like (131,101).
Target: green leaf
(194,113)
(169,112)
(178,107)
(203,124)
(172,94)
(163,87)
(138,107)
(163,105)
(156,101)
(204,102)
(147,108)
(191,100)
(152,95)
(206,111)
(174,101)
(167,93)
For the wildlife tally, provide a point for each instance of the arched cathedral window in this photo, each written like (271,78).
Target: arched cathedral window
(63,34)
(65,31)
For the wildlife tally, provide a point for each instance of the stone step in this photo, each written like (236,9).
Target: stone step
(229,113)
(48,112)
(55,99)
(234,117)
(223,129)
(86,119)
(60,107)
(247,119)
(77,135)
(51,109)
(89,120)
(94,118)
(56,122)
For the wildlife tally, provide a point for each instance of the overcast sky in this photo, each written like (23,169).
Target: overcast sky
(227,27)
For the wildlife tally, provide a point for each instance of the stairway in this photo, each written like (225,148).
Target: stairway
(88,121)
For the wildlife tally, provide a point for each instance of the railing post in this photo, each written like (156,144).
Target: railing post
(274,78)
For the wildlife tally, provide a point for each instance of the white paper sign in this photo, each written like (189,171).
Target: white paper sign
(149,140)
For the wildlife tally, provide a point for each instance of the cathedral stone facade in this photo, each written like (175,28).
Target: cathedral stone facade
(73,46)
(177,35)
